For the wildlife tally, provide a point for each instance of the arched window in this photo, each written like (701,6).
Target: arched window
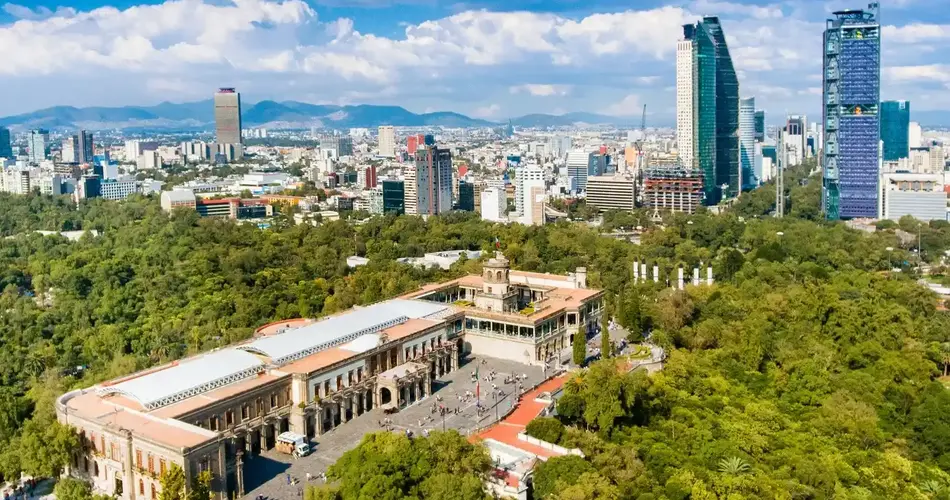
(141,487)
(154,494)
(95,468)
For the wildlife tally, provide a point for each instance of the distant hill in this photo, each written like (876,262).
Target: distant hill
(273,114)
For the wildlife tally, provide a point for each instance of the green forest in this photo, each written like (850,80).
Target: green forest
(810,370)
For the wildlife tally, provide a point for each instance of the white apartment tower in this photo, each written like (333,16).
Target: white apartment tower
(530,173)
(747,143)
(494,204)
(387,141)
(684,102)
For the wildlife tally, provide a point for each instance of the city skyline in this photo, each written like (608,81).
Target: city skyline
(514,62)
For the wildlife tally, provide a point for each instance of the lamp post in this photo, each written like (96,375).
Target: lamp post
(890,264)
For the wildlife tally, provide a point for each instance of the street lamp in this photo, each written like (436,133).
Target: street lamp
(890,264)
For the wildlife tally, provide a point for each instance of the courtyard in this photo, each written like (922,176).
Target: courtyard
(277,475)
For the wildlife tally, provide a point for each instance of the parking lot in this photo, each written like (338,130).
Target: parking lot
(275,475)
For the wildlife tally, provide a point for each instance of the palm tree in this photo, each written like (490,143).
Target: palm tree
(932,487)
(733,466)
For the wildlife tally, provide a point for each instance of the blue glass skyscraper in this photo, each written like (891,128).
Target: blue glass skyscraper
(851,121)
(727,111)
(895,129)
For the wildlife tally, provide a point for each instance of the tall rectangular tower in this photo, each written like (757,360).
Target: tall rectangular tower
(84,147)
(387,141)
(895,129)
(685,69)
(727,111)
(227,116)
(760,125)
(851,121)
(38,145)
(6,149)
(747,143)
(433,180)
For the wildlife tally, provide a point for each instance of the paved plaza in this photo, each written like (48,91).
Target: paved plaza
(268,473)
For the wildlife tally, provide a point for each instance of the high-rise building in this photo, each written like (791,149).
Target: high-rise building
(578,164)
(698,106)
(895,129)
(760,126)
(69,151)
(85,149)
(387,141)
(6,149)
(466,196)
(227,119)
(412,144)
(38,145)
(433,180)
(914,135)
(851,100)
(394,197)
(494,203)
(747,143)
(727,111)
(530,174)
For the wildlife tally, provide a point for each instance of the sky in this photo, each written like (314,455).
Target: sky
(492,59)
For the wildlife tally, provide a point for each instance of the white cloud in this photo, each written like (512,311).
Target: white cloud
(630,105)
(540,89)
(647,80)
(489,111)
(916,32)
(923,73)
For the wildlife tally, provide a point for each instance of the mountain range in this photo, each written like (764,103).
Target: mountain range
(271,114)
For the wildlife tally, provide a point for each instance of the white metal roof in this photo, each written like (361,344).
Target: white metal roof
(363,343)
(336,330)
(188,378)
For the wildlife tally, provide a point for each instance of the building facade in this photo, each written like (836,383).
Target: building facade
(227,116)
(394,197)
(727,111)
(387,141)
(38,145)
(6,147)
(578,166)
(851,100)
(673,188)
(760,126)
(747,143)
(494,204)
(612,192)
(701,124)
(85,147)
(433,180)
(212,411)
(895,130)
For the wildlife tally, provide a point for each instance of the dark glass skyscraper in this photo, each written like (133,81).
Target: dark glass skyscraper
(727,111)
(760,126)
(6,150)
(851,121)
(466,196)
(394,197)
(895,129)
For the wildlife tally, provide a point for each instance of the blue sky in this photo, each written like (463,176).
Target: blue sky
(492,59)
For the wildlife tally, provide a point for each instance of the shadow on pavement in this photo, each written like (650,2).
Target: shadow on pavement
(260,469)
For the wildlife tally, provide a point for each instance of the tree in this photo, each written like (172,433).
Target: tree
(733,466)
(172,483)
(546,429)
(69,488)
(201,486)
(557,473)
(606,348)
(732,261)
(579,346)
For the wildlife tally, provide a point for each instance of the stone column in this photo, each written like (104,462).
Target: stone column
(679,282)
(221,473)
(264,437)
(709,275)
(319,415)
(240,474)
(656,274)
(695,276)
(129,470)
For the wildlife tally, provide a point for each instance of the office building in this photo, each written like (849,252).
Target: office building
(89,186)
(747,143)
(342,144)
(38,145)
(494,204)
(85,147)
(366,177)
(672,187)
(16,180)
(414,142)
(578,165)
(52,184)
(387,141)
(535,201)
(529,173)
(135,147)
(760,126)
(227,116)
(698,105)
(727,111)
(432,170)
(852,129)
(212,411)
(895,130)
(466,196)
(914,135)
(69,151)
(118,189)
(611,192)
(394,197)
(149,160)
(6,146)
(921,196)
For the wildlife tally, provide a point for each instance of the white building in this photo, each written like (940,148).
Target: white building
(611,192)
(684,102)
(494,204)
(914,135)
(535,199)
(118,189)
(920,195)
(387,141)
(529,173)
(747,141)
(150,160)
(69,149)
(16,181)
(134,149)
